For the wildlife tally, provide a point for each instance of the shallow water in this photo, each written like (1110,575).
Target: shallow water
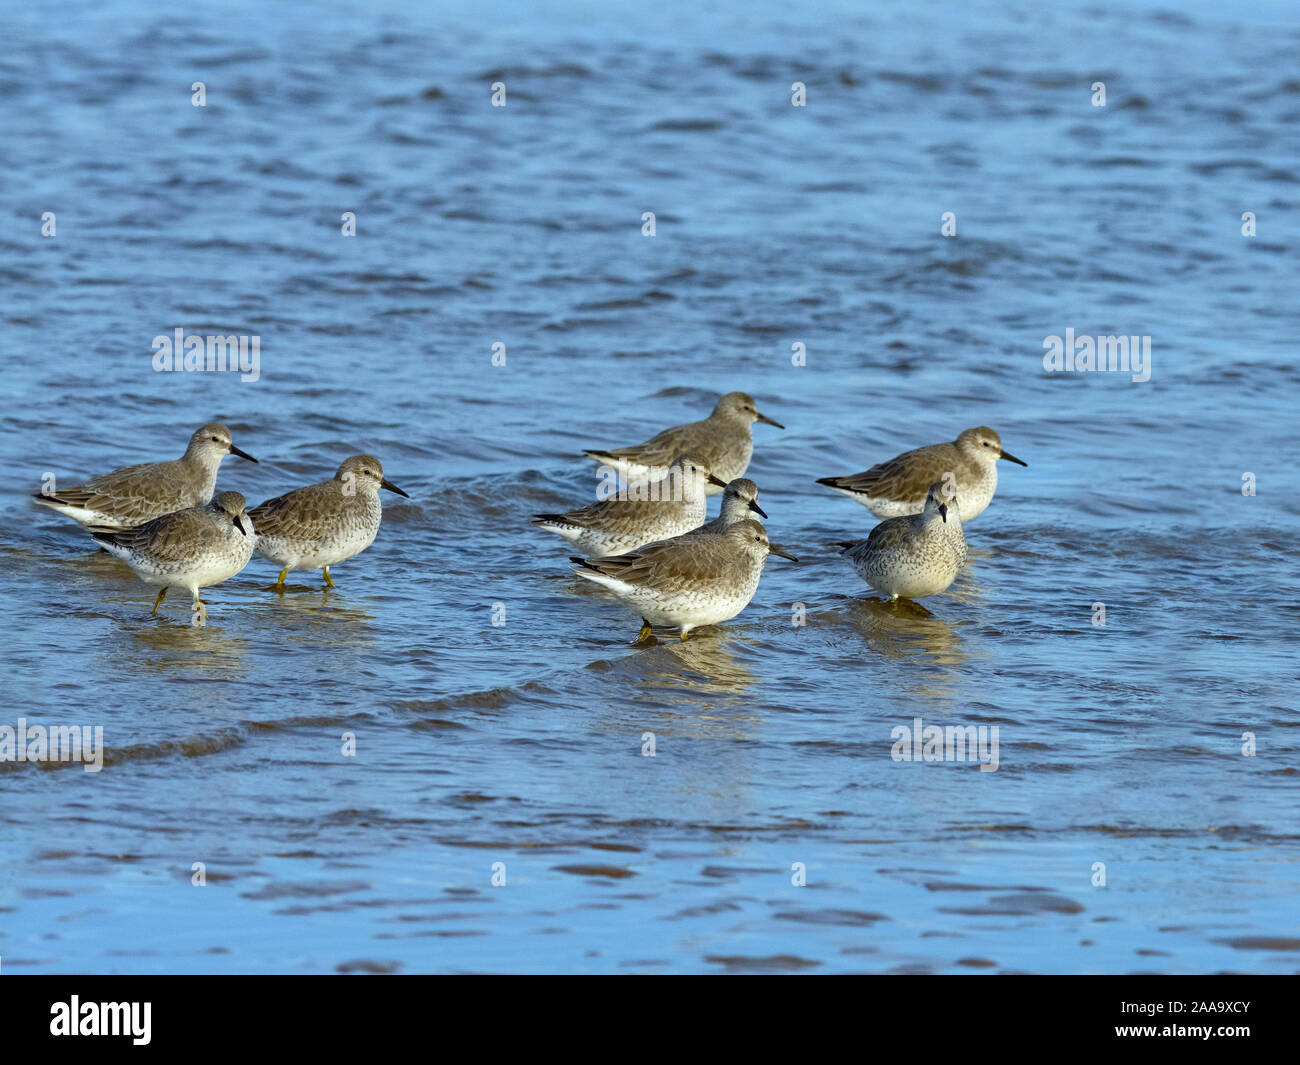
(521,743)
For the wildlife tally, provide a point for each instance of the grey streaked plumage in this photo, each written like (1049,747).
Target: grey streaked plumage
(675,504)
(690,582)
(899,485)
(192,548)
(913,555)
(722,441)
(322,524)
(134,495)
(739,503)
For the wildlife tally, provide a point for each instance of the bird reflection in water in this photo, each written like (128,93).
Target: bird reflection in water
(704,664)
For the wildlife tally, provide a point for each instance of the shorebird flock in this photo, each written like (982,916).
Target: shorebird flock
(160,518)
(649,544)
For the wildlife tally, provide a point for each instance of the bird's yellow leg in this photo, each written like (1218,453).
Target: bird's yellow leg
(158,602)
(328,583)
(644,634)
(684,632)
(279,585)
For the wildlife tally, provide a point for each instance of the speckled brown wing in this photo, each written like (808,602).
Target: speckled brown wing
(888,534)
(303,514)
(706,559)
(884,537)
(171,538)
(904,477)
(617,517)
(883,479)
(661,449)
(146,486)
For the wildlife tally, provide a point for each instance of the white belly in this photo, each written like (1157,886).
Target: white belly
(327,551)
(910,577)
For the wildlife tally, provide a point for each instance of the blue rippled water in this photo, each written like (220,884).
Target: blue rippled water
(513,752)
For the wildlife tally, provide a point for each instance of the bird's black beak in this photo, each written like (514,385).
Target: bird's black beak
(386,483)
(239,524)
(1012,458)
(242,454)
(757,509)
(717,480)
(943,512)
(767,421)
(776,550)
